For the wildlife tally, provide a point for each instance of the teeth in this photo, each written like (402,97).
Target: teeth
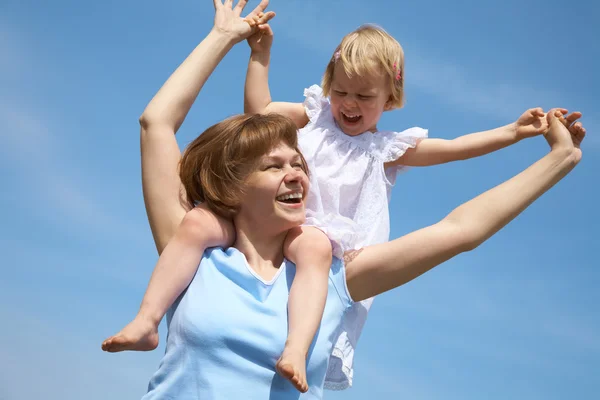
(351,115)
(296,195)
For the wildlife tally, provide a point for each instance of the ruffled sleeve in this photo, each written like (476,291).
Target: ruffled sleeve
(314,102)
(396,145)
(398,142)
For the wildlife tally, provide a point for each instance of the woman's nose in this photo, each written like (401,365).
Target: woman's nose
(293,174)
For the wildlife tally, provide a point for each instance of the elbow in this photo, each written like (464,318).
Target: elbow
(159,116)
(147,120)
(256,110)
(471,241)
(455,151)
(465,236)
(152,123)
(143,121)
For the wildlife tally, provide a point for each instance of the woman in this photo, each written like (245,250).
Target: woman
(227,330)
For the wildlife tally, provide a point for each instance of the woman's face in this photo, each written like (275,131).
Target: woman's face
(275,191)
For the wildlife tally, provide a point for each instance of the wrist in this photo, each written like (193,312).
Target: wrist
(513,132)
(226,38)
(566,156)
(260,55)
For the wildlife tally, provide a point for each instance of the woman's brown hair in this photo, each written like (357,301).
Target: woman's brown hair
(215,165)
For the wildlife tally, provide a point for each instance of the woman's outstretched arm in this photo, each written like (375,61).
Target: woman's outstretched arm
(163,193)
(377,269)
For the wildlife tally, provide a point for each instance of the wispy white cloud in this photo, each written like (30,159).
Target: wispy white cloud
(63,364)
(524,318)
(35,155)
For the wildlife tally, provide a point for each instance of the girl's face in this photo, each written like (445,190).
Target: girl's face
(358,102)
(275,191)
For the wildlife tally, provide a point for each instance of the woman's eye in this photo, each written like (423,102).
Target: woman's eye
(299,166)
(272,166)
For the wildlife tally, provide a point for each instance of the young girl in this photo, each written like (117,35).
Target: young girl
(354,168)
(353,164)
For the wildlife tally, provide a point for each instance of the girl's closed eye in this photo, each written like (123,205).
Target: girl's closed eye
(364,97)
(338,93)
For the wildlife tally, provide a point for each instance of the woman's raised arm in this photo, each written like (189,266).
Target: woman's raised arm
(377,269)
(163,197)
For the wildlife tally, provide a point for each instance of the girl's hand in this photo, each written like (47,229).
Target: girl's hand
(262,39)
(533,122)
(228,20)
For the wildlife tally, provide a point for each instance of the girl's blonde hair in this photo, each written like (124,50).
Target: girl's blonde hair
(370,50)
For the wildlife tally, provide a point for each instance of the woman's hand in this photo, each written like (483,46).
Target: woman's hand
(229,22)
(566,133)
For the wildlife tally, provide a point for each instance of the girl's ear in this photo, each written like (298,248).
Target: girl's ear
(388,105)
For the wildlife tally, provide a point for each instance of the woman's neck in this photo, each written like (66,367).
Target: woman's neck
(263,251)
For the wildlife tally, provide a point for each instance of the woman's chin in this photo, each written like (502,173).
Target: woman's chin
(293,222)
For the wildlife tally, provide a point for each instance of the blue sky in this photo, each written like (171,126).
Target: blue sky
(517,318)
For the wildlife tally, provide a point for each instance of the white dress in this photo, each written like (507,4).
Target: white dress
(349,194)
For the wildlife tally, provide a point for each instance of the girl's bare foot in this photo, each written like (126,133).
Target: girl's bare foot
(292,366)
(141,334)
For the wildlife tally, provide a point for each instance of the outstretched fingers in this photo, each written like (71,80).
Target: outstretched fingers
(559,114)
(261,20)
(260,8)
(569,121)
(577,133)
(537,112)
(239,7)
(574,116)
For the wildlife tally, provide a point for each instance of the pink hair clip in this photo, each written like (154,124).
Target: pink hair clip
(398,72)
(336,55)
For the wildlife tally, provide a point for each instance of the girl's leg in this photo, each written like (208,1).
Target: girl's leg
(310,249)
(174,271)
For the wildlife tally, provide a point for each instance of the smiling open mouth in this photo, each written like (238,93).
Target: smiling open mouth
(351,118)
(293,198)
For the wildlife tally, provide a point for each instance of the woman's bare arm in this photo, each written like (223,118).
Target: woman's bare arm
(163,193)
(377,269)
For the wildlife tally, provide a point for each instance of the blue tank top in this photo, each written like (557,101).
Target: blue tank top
(227,330)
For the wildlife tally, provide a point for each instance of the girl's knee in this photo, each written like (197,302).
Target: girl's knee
(308,241)
(201,224)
